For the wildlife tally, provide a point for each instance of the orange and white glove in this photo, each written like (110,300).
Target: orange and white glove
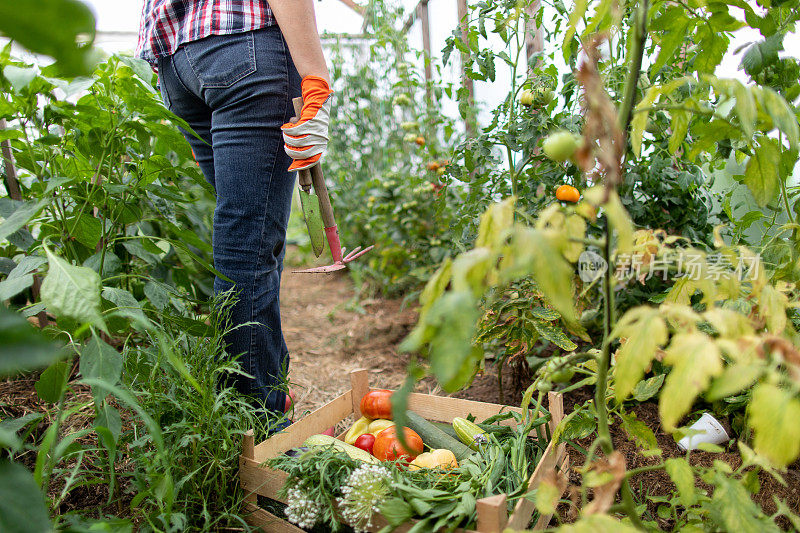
(306,140)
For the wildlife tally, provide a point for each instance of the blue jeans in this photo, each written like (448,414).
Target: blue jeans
(235,91)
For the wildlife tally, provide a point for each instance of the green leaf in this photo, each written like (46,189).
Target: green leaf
(9,134)
(157,294)
(453,358)
(646,389)
(761,175)
(20,77)
(578,11)
(554,334)
(23,347)
(12,286)
(51,27)
(762,54)
(734,510)
(22,505)
(695,359)
(127,305)
(87,230)
(640,114)
(101,361)
(711,49)
(396,511)
(575,426)
(781,113)
(72,291)
(674,36)
(53,381)
(682,475)
(645,331)
(21,216)
(639,432)
(773,414)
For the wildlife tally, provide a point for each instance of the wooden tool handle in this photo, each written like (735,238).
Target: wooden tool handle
(303,176)
(314,175)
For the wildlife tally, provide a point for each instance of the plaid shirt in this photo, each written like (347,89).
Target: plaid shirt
(167,24)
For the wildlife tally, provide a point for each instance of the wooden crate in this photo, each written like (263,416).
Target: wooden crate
(258,480)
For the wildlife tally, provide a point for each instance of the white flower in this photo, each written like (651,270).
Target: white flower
(366,488)
(301,510)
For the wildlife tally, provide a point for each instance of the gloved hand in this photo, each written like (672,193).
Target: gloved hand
(306,140)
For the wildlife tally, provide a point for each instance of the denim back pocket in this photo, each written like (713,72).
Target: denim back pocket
(219,61)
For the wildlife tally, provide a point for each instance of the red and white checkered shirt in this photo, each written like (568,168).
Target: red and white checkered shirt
(167,24)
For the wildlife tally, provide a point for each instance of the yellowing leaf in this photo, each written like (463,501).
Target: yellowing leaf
(645,331)
(494,223)
(548,493)
(620,221)
(695,359)
(679,126)
(597,523)
(470,269)
(640,114)
(729,323)
(682,475)
(773,414)
(734,379)
(435,286)
(531,253)
(576,229)
(772,308)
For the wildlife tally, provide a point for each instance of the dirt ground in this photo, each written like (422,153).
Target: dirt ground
(329,333)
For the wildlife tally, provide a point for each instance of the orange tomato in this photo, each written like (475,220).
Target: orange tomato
(387,446)
(568,193)
(377,404)
(420,140)
(433,165)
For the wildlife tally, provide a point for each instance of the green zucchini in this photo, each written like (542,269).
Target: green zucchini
(352,451)
(488,428)
(436,438)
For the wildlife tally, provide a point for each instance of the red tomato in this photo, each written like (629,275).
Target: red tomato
(387,446)
(377,404)
(365,442)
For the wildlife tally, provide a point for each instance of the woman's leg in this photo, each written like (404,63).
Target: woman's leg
(248,81)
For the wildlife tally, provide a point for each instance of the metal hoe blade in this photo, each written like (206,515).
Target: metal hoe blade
(338,265)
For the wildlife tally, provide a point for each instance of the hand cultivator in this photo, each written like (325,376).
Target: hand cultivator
(318,214)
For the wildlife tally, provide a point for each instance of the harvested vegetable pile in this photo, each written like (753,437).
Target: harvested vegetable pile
(438,482)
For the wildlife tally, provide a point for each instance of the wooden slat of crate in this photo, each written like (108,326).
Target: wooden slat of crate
(257,479)
(268,522)
(313,424)
(444,409)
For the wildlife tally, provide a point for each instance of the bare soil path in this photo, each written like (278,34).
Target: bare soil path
(330,332)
